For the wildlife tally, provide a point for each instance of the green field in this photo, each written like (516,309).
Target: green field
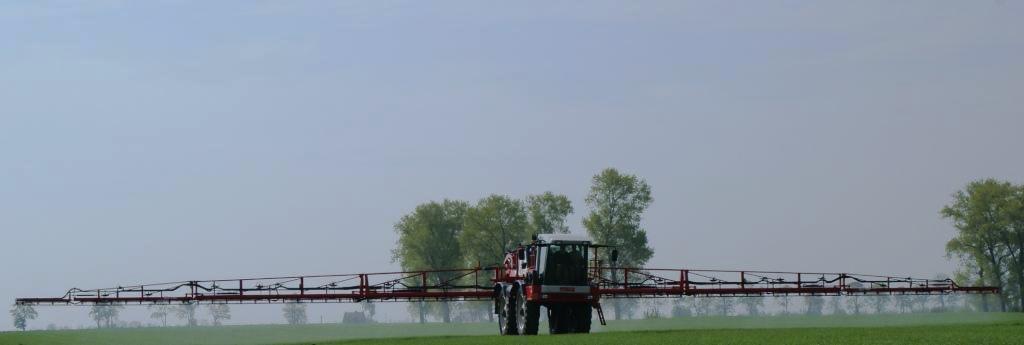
(947,328)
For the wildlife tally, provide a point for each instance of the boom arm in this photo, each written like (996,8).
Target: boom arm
(477,284)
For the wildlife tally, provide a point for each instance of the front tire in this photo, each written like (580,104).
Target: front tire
(527,314)
(507,314)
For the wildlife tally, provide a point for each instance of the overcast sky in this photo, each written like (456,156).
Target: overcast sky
(158,141)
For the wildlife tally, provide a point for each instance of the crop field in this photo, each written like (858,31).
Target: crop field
(945,328)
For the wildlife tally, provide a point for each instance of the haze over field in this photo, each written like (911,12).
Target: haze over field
(160,141)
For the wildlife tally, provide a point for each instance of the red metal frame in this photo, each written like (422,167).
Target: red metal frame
(653,282)
(456,284)
(477,284)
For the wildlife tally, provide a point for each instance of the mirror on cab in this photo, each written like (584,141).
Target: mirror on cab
(615,255)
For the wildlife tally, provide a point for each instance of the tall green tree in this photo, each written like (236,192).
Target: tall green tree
(493,226)
(21,314)
(1013,216)
(548,212)
(428,239)
(981,214)
(617,202)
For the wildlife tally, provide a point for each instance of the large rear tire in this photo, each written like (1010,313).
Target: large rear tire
(532,318)
(569,318)
(583,315)
(558,319)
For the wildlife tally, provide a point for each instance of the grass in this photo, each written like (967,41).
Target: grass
(943,328)
(997,333)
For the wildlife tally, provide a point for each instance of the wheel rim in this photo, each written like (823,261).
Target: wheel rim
(521,313)
(503,314)
(508,308)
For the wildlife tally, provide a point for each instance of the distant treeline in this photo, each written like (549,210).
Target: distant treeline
(812,305)
(455,234)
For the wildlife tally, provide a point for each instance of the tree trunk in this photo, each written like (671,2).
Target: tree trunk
(992,258)
(984,297)
(615,302)
(446,311)
(1017,254)
(423,313)
(999,283)
(1020,281)
(1016,273)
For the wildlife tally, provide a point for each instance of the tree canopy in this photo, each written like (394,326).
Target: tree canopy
(548,212)
(617,202)
(428,239)
(494,225)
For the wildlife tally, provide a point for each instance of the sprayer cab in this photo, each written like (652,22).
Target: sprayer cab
(554,272)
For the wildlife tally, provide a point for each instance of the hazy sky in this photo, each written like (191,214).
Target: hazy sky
(158,141)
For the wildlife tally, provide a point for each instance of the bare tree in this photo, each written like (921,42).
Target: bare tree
(105,314)
(753,305)
(21,314)
(854,301)
(815,305)
(879,303)
(784,301)
(219,313)
(160,312)
(295,313)
(187,312)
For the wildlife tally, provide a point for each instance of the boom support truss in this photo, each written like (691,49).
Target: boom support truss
(477,284)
